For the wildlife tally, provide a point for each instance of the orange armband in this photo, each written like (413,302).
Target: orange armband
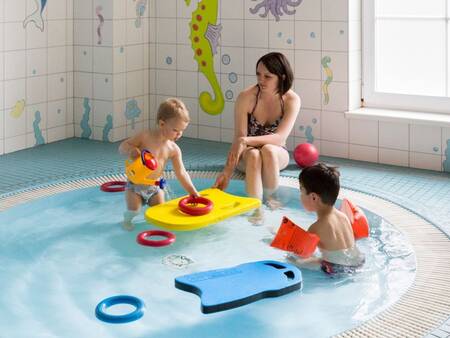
(290,237)
(357,218)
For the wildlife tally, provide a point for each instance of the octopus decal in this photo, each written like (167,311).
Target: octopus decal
(276,7)
(204,37)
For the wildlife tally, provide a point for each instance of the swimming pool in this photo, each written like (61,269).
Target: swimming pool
(64,253)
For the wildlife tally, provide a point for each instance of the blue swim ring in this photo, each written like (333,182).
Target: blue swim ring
(120,319)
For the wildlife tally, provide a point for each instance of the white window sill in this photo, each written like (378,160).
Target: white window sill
(410,117)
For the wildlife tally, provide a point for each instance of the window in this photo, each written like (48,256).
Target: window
(406,57)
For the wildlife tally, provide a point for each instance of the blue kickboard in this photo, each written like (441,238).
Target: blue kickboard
(225,289)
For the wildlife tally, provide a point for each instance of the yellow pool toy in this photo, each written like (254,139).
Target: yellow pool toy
(167,215)
(139,169)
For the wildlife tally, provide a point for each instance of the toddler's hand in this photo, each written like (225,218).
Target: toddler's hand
(135,153)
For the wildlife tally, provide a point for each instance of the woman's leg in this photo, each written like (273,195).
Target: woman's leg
(274,159)
(252,164)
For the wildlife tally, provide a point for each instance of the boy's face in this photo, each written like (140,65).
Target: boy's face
(308,200)
(173,128)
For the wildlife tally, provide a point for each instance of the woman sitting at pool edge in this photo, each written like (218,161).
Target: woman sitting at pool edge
(265,114)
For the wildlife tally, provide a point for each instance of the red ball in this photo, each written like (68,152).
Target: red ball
(305,155)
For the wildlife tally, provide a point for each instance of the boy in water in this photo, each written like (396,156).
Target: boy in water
(172,120)
(319,187)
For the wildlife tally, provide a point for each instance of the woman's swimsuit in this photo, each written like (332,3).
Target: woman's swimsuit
(255,128)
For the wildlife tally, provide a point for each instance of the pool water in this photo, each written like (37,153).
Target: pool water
(61,255)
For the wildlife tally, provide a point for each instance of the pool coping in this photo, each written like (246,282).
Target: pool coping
(417,312)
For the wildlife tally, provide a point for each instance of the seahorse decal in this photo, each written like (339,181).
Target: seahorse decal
(37,130)
(329,73)
(101,20)
(204,37)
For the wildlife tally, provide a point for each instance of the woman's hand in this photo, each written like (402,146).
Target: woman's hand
(236,151)
(222,181)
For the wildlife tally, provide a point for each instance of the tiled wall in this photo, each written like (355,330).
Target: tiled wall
(36,78)
(99,69)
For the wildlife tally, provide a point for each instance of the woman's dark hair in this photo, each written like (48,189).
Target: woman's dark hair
(276,63)
(322,180)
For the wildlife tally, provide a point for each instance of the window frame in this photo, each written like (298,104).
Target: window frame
(374,99)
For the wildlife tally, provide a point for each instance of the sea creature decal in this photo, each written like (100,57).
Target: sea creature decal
(84,124)
(141,5)
(101,20)
(276,7)
(446,163)
(36,16)
(18,109)
(107,128)
(329,73)
(37,130)
(132,111)
(205,34)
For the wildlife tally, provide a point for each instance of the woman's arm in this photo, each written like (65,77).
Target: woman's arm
(291,110)
(181,173)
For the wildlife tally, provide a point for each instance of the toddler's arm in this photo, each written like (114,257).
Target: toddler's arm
(131,146)
(181,173)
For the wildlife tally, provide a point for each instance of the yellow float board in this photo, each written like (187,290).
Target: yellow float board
(168,216)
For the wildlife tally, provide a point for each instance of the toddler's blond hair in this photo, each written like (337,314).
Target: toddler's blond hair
(172,108)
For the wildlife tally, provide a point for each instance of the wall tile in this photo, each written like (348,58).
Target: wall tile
(425,139)
(364,132)
(393,157)
(394,135)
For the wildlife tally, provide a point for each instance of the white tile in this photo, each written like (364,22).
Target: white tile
(15,10)
(232,33)
(118,113)
(69,110)
(308,125)
(56,87)
(232,60)
(82,9)
(70,130)
(394,135)
(334,36)
(209,133)
(119,33)
(308,35)
(103,59)
(335,10)
(34,37)
(226,135)
(56,134)
(183,10)
(119,60)
(281,35)
(425,139)
(69,85)
(232,84)
(82,32)
(14,36)
(227,116)
(118,134)
(307,65)
(232,9)
(364,132)
(15,143)
(183,31)
(56,114)
(135,84)
(251,56)
(191,131)
(363,153)
(185,58)
(56,60)
(425,161)
(69,59)
(103,87)
(166,57)
(187,84)
(37,89)
(166,8)
(393,157)
(152,30)
(166,82)
(338,97)
(119,9)
(135,57)
(354,95)
(57,10)
(14,91)
(83,85)
(256,33)
(334,127)
(309,10)
(334,149)
(15,121)
(354,36)
(56,33)
(134,35)
(191,105)
(36,62)
(166,30)
(14,65)
(309,92)
(100,112)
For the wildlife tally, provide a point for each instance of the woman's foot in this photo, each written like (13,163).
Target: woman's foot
(257,218)
(273,204)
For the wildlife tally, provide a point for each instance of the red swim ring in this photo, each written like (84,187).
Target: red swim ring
(142,238)
(184,206)
(113,186)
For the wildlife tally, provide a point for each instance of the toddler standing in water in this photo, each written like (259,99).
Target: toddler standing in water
(172,120)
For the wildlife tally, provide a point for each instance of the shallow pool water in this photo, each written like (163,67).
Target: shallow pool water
(63,254)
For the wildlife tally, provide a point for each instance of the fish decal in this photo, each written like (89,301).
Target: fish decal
(36,16)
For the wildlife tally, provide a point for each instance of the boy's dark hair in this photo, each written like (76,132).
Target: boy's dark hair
(322,180)
(276,63)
